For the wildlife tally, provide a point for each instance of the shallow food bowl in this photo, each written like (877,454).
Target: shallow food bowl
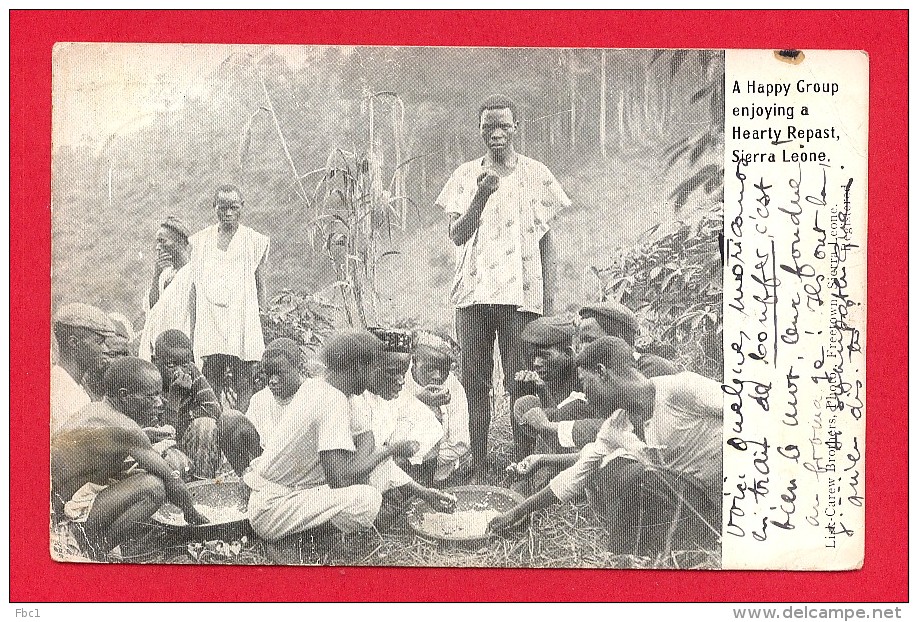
(475,507)
(223,502)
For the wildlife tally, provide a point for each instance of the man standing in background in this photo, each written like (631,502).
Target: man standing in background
(499,207)
(228,261)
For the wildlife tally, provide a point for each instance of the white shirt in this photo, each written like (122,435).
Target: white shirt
(686,424)
(67,397)
(316,420)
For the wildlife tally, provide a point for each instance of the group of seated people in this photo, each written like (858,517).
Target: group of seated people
(386,419)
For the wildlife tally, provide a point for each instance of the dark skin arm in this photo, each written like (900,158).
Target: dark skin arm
(163,261)
(549,271)
(138,447)
(539,501)
(345,468)
(462,228)
(259,283)
(192,306)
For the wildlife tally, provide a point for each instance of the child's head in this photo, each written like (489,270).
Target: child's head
(388,375)
(171,351)
(432,358)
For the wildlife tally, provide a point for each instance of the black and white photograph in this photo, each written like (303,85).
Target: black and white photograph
(387,306)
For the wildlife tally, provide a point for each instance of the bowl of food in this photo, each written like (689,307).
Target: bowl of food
(475,507)
(222,502)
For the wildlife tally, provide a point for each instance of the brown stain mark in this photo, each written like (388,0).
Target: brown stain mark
(793,57)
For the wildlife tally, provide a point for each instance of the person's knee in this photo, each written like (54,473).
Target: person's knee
(365,503)
(151,490)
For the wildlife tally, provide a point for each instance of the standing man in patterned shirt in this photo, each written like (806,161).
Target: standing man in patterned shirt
(499,207)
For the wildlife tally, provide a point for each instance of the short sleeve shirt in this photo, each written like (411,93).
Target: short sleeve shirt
(318,421)
(501,262)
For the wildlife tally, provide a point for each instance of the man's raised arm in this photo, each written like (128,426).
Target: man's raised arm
(463,227)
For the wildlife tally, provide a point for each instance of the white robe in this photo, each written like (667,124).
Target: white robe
(452,421)
(226,298)
(171,311)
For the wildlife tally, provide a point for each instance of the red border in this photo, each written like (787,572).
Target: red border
(34,577)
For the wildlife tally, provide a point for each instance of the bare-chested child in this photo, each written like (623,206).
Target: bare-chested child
(88,485)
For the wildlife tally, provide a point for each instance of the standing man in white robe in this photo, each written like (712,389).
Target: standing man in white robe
(228,261)
(169,298)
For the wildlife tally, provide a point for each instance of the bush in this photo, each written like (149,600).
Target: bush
(673,280)
(306,318)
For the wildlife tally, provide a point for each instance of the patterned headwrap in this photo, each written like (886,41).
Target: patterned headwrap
(434,341)
(393,340)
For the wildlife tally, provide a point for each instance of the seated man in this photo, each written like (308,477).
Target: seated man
(87,454)
(191,410)
(82,333)
(118,347)
(555,389)
(548,343)
(645,485)
(308,474)
(574,425)
(431,386)
(384,432)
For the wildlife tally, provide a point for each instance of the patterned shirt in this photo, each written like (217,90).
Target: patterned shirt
(501,263)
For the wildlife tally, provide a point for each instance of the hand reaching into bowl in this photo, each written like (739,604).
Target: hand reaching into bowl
(525,466)
(502,523)
(439,500)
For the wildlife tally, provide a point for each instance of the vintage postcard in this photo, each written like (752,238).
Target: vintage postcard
(432,306)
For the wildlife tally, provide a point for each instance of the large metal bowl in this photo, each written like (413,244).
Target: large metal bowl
(215,494)
(429,523)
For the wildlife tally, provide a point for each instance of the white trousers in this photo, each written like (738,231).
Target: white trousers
(277,511)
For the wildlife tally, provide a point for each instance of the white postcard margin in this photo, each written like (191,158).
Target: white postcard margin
(795,309)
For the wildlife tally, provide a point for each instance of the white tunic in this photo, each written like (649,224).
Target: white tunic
(226,299)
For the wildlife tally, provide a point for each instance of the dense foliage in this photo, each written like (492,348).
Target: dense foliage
(673,279)
(305,318)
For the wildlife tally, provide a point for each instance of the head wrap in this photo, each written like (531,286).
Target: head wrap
(434,341)
(286,347)
(554,330)
(177,225)
(80,315)
(393,340)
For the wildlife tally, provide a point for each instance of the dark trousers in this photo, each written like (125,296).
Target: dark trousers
(476,328)
(649,509)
